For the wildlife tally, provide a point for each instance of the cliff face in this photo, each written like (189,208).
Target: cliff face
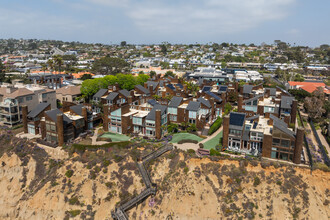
(89,184)
(188,188)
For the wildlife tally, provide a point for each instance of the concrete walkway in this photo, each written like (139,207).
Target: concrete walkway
(323,141)
(94,142)
(187,146)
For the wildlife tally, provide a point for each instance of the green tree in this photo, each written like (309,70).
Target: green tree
(58,62)
(126,81)
(152,74)
(169,73)
(2,73)
(109,65)
(164,49)
(141,79)
(111,79)
(51,65)
(86,76)
(91,86)
(123,43)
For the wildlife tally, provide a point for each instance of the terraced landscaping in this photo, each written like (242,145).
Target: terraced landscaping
(213,142)
(184,136)
(115,137)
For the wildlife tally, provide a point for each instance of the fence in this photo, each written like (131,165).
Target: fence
(321,147)
(306,143)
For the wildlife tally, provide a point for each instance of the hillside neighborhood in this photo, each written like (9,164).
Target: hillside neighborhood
(235,101)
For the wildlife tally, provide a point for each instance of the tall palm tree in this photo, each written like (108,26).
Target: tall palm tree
(58,61)
(50,63)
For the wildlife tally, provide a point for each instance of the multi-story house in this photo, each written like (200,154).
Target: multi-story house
(11,101)
(266,136)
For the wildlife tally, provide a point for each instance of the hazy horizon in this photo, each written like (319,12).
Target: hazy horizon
(302,23)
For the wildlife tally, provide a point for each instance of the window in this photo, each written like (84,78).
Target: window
(137,121)
(173,117)
(276,142)
(20,99)
(150,123)
(172,110)
(235,132)
(192,114)
(44,95)
(28,98)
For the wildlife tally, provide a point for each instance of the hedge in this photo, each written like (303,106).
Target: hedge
(215,126)
(214,153)
(95,147)
(187,141)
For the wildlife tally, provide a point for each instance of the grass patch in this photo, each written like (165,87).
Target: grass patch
(185,136)
(210,144)
(115,137)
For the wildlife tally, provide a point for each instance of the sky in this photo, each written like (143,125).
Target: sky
(298,22)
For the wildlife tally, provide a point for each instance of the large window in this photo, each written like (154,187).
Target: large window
(172,110)
(235,132)
(192,114)
(256,136)
(173,118)
(28,98)
(150,123)
(137,121)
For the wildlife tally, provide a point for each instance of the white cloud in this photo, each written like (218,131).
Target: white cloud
(191,16)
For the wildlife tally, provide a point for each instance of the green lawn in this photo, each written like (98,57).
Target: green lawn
(115,137)
(213,142)
(183,136)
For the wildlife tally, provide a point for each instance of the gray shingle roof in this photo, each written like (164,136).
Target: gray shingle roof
(286,101)
(124,92)
(152,113)
(153,83)
(53,115)
(193,106)
(204,102)
(278,123)
(247,89)
(78,109)
(175,101)
(253,117)
(142,89)
(252,99)
(112,96)
(152,102)
(100,93)
(272,91)
(38,109)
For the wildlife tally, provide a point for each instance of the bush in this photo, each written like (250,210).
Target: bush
(191,151)
(215,126)
(214,152)
(186,169)
(187,141)
(74,201)
(201,145)
(74,213)
(69,173)
(256,181)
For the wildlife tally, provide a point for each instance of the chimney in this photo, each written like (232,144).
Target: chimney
(184,87)
(105,117)
(84,114)
(151,89)
(146,85)
(10,89)
(298,145)
(267,93)
(270,122)
(260,110)
(240,103)
(225,132)
(158,119)
(43,128)
(294,111)
(24,117)
(287,119)
(60,129)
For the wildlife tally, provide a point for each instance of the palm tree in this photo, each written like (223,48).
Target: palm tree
(58,61)
(50,64)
